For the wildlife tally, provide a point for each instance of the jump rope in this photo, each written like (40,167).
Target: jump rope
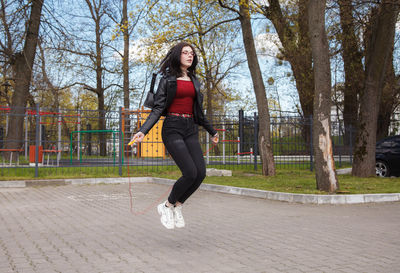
(161,197)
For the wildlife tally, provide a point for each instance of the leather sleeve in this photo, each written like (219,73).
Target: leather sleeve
(207,125)
(201,119)
(160,101)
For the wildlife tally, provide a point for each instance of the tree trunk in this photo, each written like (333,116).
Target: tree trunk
(22,68)
(379,48)
(125,60)
(125,64)
(97,11)
(388,102)
(99,89)
(56,101)
(264,137)
(324,163)
(353,68)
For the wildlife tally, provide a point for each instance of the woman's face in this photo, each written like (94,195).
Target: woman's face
(187,55)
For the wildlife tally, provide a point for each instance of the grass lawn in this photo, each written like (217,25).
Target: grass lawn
(297,181)
(286,180)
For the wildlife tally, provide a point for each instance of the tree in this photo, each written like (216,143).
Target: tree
(22,66)
(353,69)
(324,162)
(291,26)
(11,21)
(97,11)
(378,51)
(264,137)
(124,28)
(126,23)
(91,50)
(356,19)
(125,59)
(389,99)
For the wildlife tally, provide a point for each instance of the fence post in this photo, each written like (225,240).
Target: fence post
(59,144)
(255,140)
(241,128)
(7,120)
(37,140)
(208,149)
(121,142)
(351,144)
(239,151)
(26,136)
(311,144)
(223,144)
(78,146)
(339,137)
(40,130)
(1,137)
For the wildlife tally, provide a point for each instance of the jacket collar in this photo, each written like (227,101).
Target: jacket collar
(196,83)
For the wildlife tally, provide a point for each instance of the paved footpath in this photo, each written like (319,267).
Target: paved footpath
(90,228)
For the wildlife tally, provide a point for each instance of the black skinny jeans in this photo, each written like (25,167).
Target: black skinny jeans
(181,138)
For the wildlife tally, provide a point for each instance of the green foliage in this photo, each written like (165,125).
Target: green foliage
(197,22)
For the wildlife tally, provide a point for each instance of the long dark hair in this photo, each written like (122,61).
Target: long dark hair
(171,64)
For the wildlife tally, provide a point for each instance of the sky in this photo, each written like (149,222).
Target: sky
(267,45)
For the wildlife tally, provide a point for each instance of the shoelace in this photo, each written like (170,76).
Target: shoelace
(170,213)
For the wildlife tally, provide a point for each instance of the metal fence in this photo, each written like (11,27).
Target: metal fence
(80,142)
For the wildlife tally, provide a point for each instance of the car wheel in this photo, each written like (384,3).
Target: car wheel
(381,169)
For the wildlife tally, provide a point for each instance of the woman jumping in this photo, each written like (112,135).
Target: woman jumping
(179,98)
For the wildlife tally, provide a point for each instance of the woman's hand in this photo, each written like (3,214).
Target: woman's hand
(215,138)
(137,137)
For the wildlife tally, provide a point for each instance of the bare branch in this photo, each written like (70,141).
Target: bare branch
(89,88)
(221,3)
(69,85)
(113,84)
(75,52)
(6,28)
(202,33)
(115,49)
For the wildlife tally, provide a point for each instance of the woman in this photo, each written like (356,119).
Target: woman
(178,98)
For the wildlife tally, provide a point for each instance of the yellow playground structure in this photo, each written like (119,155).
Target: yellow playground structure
(152,145)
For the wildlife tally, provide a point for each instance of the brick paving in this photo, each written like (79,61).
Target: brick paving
(90,228)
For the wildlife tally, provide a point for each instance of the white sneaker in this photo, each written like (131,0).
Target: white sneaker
(178,217)
(167,215)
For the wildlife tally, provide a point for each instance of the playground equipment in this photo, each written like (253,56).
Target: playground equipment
(11,154)
(52,133)
(239,154)
(152,145)
(90,132)
(45,118)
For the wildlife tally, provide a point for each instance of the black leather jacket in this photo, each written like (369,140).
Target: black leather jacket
(162,101)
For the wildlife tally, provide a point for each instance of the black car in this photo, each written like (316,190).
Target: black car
(388,156)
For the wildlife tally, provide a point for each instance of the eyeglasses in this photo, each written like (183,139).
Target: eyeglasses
(186,53)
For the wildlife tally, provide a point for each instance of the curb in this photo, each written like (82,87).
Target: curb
(270,195)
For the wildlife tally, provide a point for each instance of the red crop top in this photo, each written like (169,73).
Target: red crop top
(184,97)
